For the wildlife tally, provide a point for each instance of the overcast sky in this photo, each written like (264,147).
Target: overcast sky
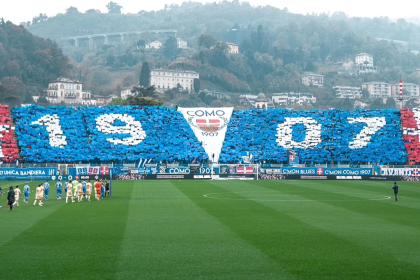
(19,11)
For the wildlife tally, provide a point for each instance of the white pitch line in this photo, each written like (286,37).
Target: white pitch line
(159,196)
(375,197)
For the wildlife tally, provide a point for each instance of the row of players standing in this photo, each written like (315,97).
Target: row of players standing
(72,189)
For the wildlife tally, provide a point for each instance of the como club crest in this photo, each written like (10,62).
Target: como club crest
(212,124)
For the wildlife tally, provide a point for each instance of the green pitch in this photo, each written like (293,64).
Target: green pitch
(218,230)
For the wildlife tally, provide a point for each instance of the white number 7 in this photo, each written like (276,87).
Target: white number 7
(363,138)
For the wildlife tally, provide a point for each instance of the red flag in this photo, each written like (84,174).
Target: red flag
(104,170)
(244,170)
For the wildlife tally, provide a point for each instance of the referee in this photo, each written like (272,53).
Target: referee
(395,188)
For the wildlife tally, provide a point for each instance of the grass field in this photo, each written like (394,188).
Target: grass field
(218,230)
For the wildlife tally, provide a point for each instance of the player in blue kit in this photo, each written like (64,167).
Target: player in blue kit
(65,188)
(47,189)
(84,188)
(58,185)
(102,190)
(26,192)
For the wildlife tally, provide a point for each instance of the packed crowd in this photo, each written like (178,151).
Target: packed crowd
(109,133)
(339,136)
(161,134)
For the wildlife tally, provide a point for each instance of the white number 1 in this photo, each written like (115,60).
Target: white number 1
(53,127)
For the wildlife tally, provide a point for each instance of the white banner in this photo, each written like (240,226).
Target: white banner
(209,125)
(88,170)
(399,171)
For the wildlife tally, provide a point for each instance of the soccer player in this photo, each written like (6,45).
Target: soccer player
(46,189)
(26,192)
(106,187)
(38,195)
(58,186)
(42,193)
(98,186)
(69,193)
(88,190)
(84,188)
(79,192)
(74,183)
(66,186)
(10,198)
(17,194)
(102,189)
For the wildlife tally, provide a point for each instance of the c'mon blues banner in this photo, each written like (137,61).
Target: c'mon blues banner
(361,136)
(324,171)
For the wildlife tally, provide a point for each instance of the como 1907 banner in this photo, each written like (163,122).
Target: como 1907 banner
(209,125)
(317,171)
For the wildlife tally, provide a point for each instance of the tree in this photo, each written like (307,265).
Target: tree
(11,86)
(92,12)
(377,104)
(143,101)
(42,101)
(197,85)
(27,99)
(260,38)
(40,18)
(390,103)
(216,103)
(202,96)
(206,41)
(365,93)
(347,104)
(113,8)
(170,48)
(141,43)
(218,57)
(310,67)
(118,102)
(144,92)
(72,10)
(145,75)
(209,99)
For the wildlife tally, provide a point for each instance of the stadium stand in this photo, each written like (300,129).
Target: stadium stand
(53,134)
(410,121)
(157,133)
(9,151)
(66,134)
(161,134)
(361,136)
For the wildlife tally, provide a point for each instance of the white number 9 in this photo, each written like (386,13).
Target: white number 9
(104,123)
